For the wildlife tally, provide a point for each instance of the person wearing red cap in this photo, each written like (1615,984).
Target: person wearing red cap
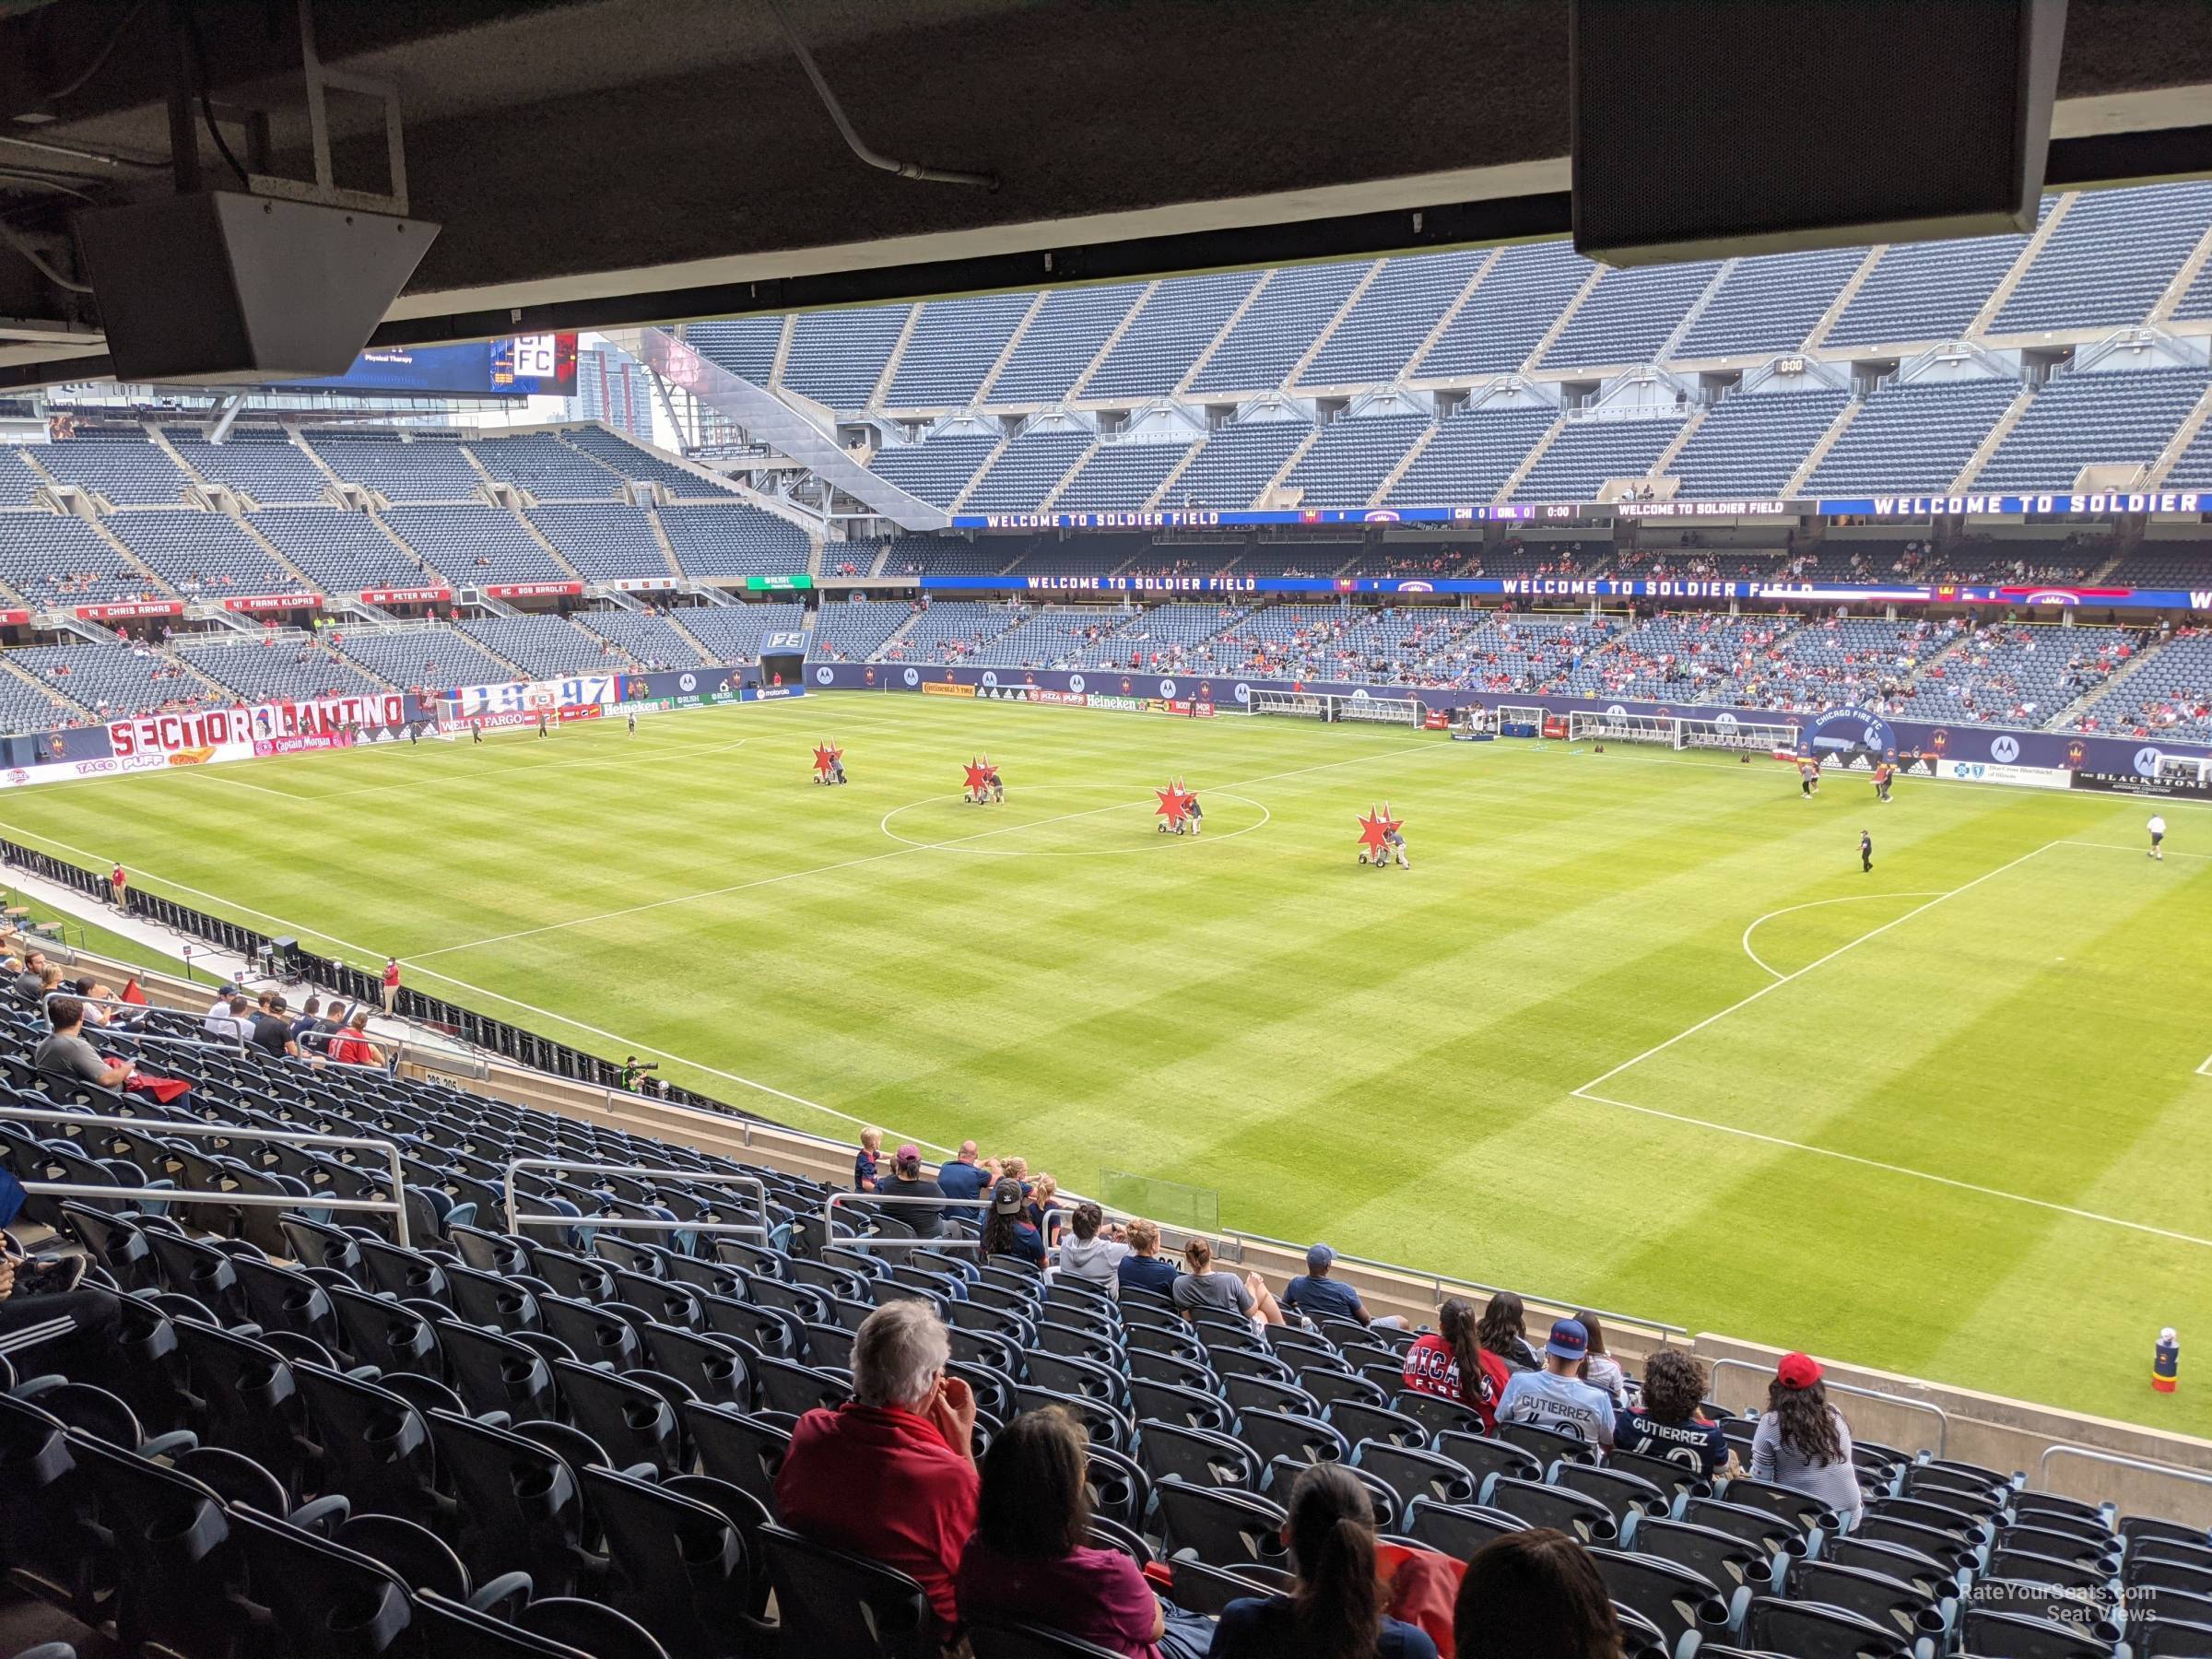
(1803,1442)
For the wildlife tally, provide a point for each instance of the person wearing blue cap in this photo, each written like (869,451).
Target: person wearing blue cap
(1555,1397)
(1317,1296)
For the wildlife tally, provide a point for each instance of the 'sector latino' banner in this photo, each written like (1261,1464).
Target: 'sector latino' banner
(263,729)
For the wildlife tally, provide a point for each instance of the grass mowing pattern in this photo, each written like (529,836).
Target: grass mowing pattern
(1387,1060)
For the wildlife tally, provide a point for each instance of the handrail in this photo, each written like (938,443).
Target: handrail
(2065,1449)
(1943,1418)
(759,1229)
(912,1201)
(1440,1282)
(109,1031)
(156,1128)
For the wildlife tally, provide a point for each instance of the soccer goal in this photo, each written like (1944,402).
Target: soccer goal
(1622,728)
(1323,705)
(1731,734)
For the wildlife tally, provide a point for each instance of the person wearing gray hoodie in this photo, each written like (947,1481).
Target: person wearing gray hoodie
(1093,1250)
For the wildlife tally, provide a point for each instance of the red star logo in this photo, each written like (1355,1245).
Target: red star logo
(826,755)
(1174,802)
(1375,827)
(978,774)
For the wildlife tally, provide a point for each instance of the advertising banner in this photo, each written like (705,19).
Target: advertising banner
(1851,733)
(1602,588)
(2136,783)
(2046,504)
(414,595)
(204,732)
(529,697)
(532,590)
(945,688)
(273,601)
(1997,771)
(128,609)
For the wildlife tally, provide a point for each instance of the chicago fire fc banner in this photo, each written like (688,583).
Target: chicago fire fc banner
(279,728)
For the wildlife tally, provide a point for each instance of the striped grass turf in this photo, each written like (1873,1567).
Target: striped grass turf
(1958,1140)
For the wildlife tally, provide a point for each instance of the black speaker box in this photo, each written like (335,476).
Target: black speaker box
(221,287)
(1718,128)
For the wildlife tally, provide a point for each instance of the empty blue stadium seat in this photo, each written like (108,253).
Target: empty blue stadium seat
(952,347)
(343,552)
(1028,469)
(1588,452)
(2108,259)
(1270,338)
(1926,291)
(1386,325)
(114,461)
(605,543)
(549,469)
(936,469)
(476,545)
(1628,315)
(657,641)
(1517,301)
(836,356)
(736,539)
(1352,457)
(1471,456)
(1176,324)
(743,346)
(1061,341)
(258,460)
(1916,436)
(1770,303)
(1749,445)
(1236,463)
(428,467)
(2092,420)
(1121,476)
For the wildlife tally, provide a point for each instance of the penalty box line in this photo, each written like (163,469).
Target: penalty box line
(1588,1091)
(1891,1169)
(1660,1048)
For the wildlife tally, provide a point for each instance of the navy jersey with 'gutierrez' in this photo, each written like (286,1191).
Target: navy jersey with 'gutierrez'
(1695,1444)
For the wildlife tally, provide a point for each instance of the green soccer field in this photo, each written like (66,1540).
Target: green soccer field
(1635,1029)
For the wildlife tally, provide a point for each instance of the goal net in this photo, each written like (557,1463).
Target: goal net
(1622,728)
(1323,705)
(1729,733)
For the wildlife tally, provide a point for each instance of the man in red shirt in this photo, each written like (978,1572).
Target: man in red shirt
(351,1046)
(119,885)
(892,1474)
(391,983)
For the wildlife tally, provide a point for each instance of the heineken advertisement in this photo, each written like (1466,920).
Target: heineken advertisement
(797,581)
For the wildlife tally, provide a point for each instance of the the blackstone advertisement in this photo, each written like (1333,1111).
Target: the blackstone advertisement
(2134,783)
